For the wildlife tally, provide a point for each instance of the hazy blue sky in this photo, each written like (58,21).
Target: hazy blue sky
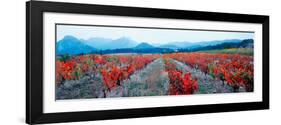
(154,36)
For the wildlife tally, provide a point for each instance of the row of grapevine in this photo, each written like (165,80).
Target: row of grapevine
(112,68)
(114,73)
(234,69)
(180,83)
(77,66)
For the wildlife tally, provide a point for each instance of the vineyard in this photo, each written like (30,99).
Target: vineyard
(103,76)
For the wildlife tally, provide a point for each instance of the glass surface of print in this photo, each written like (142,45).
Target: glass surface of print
(114,61)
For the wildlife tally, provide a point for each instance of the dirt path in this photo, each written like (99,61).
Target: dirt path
(206,83)
(150,81)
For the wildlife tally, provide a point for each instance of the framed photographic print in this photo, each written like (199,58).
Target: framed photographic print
(95,62)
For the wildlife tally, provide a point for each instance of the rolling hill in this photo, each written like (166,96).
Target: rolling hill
(144,46)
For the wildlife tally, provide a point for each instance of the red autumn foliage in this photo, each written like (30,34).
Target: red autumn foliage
(236,70)
(180,83)
(233,69)
(64,70)
(122,67)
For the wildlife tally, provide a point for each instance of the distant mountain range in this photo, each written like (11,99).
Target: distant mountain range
(103,43)
(186,44)
(246,43)
(73,46)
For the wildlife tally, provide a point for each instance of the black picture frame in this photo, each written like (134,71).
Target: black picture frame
(34,61)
